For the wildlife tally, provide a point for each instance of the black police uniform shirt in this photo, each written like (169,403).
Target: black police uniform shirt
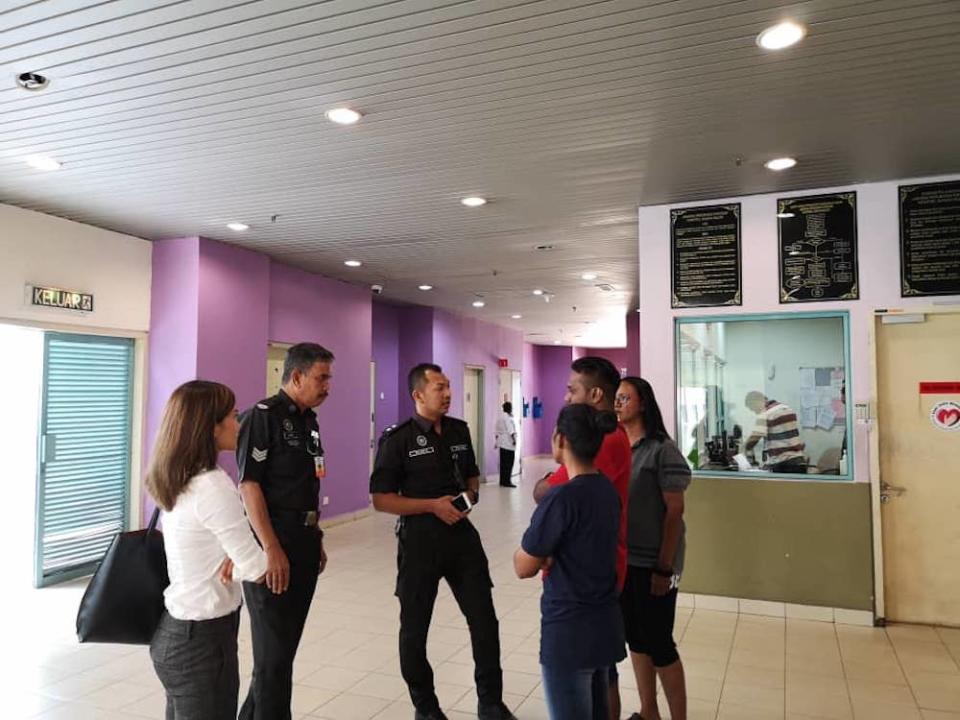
(279,448)
(415,462)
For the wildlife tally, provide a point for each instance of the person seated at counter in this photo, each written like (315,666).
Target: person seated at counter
(778,427)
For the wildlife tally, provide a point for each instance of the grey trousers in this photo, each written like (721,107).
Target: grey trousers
(197,663)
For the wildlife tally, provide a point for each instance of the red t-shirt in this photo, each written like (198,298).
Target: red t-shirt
(614,460)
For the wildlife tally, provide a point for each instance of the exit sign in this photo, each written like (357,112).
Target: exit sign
(62,299)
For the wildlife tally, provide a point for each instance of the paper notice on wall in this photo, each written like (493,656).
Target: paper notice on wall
(808,378)
(808,417)
(809,398)
(825,417)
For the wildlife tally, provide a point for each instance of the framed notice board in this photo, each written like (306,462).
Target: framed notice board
(818,248)
(705,256)
(930,239)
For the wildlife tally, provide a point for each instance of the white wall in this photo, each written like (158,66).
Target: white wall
(44,250)
(878,247)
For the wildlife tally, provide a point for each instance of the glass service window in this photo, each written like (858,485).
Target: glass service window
(765,395)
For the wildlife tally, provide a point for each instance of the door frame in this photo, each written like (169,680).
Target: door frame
(479,451)
(873,437)
(141,347)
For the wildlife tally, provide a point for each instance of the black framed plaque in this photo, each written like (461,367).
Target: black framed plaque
(705,256)
(818,248)
(930,239)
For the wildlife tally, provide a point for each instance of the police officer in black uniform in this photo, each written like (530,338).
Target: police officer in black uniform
(422,465)
(281,464)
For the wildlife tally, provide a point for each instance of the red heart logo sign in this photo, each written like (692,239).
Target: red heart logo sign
(948,417)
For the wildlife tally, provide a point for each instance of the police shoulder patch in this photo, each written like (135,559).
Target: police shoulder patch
(262,406)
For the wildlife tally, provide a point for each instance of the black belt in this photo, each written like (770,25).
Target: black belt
(309,518)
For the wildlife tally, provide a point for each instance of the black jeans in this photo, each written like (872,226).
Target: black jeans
(795,465)
(196,661)
(506,465)
(428,551)
(276,625)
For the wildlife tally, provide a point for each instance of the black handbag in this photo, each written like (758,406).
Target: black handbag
(124,600)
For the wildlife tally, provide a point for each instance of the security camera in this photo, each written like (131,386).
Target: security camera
(376,289)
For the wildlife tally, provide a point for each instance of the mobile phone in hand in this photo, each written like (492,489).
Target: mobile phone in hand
(462,503)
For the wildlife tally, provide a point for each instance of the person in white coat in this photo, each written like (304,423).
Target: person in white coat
(507,442)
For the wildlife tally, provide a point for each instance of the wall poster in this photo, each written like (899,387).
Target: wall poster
(705,256)
(930,239)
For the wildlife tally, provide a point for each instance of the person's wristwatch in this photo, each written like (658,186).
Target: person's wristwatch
(662,571)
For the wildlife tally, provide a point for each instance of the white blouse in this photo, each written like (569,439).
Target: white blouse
(206,525)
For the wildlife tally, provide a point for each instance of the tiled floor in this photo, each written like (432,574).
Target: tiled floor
(739,667)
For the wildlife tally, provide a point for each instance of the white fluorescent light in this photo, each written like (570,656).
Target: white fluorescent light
(781,35)
(42,162)
(343,116)
(516,316)
(478,303)
(784,163)
(474,201)
(425,287)
(588,276)
(238,226)
(352,263)
(538,291)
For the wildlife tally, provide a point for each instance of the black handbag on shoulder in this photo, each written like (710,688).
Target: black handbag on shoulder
(124,600)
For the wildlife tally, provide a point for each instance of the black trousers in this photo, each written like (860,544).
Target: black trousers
(196,661)
(428,551)
(506,465)
(276,625)
(795,465)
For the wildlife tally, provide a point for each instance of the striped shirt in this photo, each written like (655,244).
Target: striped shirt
(778,426)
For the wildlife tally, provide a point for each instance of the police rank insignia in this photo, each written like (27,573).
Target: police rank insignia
(421,441)
(258,455)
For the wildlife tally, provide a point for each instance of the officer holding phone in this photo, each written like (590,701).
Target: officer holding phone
(426,473)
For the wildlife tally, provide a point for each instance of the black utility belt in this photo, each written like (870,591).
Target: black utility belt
(308,518)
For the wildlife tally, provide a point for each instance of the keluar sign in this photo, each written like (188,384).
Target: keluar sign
(61,299)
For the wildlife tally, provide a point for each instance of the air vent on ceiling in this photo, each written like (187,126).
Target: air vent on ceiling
(605,287)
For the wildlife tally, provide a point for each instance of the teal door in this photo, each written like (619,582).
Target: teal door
(83,479)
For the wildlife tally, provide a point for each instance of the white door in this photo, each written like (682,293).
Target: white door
(510,392)
(473,410)
(918,415)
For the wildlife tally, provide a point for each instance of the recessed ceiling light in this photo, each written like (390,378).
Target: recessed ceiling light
(352,263)
(343,116)
(556,342)
(785,215)
(784,163)
(238,226)
(516,316)
(32,81)
(782,35)
(42,162)
(538,291)
(588,276)
(478,303)
(425,287)
(474,201)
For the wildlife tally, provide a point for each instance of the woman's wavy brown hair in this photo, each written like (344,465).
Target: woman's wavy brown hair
(185,445)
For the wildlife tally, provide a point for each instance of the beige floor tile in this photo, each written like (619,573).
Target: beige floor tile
(874,710)
(116,695)
(734,711)
(825,666)
(532,708)
(763,677)
(807,683)
(912,633)
(864,691)
(152,706)
(936,691)
(753,696)
(888,672)
(379,685)
(306,699)
(350,707)
(832,705)
(939,715)
(331,677)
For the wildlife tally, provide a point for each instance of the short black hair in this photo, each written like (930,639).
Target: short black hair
(418,375)
(584,428)
(507,407)
(600,373)
(302,357)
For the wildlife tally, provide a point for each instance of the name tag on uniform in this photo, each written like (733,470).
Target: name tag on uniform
(459,448)
(422,451)
(320,467)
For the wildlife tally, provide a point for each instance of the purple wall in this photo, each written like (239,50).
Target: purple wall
(531,389)
(416,346)
(618,356)
(460,341)
(386,354)
(548,367)
(307,307)
(239,301)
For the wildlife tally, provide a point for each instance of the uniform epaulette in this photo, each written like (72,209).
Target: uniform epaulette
(270,402)
(391,429)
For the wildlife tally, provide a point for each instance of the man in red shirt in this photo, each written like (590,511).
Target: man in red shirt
(594,381)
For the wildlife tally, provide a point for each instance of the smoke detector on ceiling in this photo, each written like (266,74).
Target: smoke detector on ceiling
(32,81)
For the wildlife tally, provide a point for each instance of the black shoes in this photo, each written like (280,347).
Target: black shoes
(431,715)
(495,712)
(507,485)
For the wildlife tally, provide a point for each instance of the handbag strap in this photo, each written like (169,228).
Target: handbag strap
(153,520)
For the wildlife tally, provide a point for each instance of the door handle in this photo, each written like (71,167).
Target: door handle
(886,487)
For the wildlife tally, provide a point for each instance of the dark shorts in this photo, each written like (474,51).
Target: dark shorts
(648,620)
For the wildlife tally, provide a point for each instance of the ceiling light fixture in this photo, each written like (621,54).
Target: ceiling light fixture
(478,303)
(352,263)
(778,164)
(589,276)
(516,316)
(474,201)
(785,215)
(556,342)
(538,291)
(42,162)
(238,226)
(343,115)
(32,81)
(425,287)
(782,35)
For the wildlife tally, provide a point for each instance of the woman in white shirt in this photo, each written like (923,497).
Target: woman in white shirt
(209,547)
